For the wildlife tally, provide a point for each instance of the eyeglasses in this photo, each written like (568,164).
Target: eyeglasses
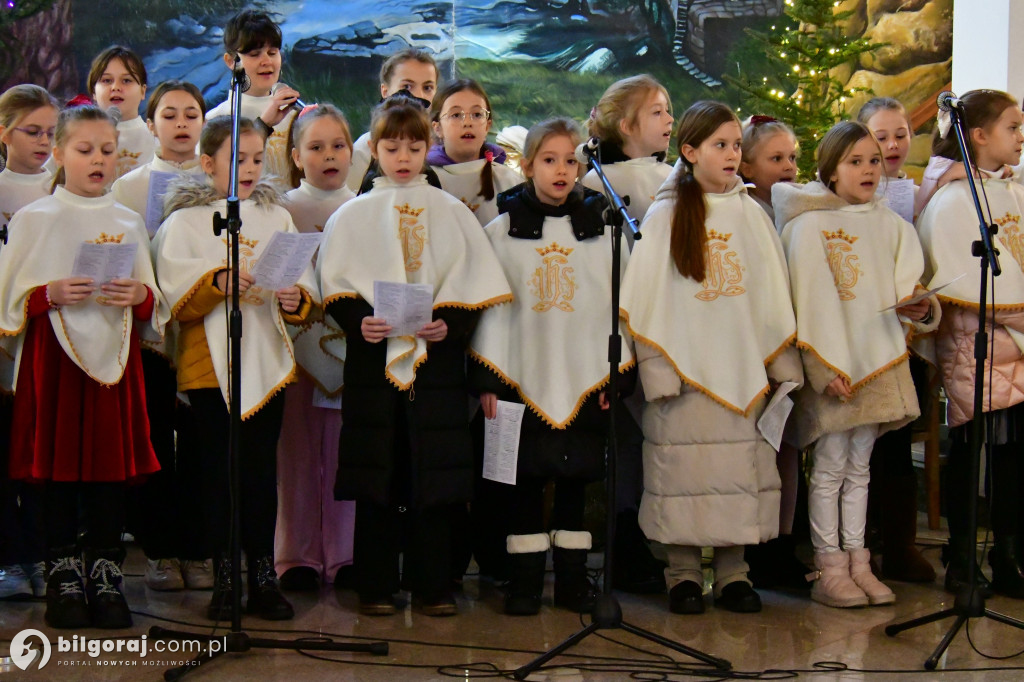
(37,133)
(477,116)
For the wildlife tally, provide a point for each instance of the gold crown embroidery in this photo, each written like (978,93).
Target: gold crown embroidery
(713,235)
(554,282)
(1007,219)
(409,211)
(413,236)
(469,204)
(105,238)
(250,243)
(840,234)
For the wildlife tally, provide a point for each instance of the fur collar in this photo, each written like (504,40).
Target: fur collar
(790,200)
(187,191)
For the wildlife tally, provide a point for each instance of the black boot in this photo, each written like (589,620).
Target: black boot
(220,600)
(957,554)
(1007,570)
(66,607)
(573,589)
(528,556)
(265,598)
(774,565)
(107,605)
(901,560)
(635,570)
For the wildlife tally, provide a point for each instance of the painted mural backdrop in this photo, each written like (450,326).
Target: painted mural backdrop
(535,57)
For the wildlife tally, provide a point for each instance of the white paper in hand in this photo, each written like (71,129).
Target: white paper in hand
(406,307)
(103,263)
(284,259)
(501,443)
(772,423)
(158,181)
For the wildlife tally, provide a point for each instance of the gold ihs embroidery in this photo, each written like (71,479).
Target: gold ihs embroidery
(553,283)
(723,273)
(842,262)
(1011,236)
(126,161)
(413,236)
(246,262)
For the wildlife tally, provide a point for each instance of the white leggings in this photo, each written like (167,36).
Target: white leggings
(839,488)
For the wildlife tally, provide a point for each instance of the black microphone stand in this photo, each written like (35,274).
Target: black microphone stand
(970,602)
(237,641)
(607,613)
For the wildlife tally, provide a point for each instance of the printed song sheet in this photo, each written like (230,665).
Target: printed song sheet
(104,262)
(406,307)
(501,443)
(285,258)
(158,181)
(772,423)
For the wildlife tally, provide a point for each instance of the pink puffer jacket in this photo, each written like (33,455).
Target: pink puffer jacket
(955,351)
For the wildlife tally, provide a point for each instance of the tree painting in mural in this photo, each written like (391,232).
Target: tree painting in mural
(799,83)
(35,42)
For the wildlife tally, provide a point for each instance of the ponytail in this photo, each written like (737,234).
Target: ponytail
(487,178)
(689,239)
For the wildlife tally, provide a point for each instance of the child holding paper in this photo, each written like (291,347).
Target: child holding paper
(79,423)
(405,453)
(552,242)
(191,267)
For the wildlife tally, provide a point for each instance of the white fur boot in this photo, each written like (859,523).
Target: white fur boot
(833,585)
(860,572)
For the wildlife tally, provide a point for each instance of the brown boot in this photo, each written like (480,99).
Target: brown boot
(901,559)
(833,585)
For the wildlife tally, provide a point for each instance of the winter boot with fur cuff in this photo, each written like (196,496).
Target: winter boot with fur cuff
(860,572)
(573,589)
(107,604)
(833,585)
(66,607)
(528,555)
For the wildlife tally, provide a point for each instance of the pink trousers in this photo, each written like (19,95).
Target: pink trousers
(312,528)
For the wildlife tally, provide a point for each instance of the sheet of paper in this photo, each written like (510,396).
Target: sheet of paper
(284,259)
(104,262)
(501,443)
(158,181)
(899,195)
(406,307)
(921,296)
(772,423)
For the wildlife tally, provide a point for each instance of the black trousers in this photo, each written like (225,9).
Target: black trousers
(162,511)
(22,530)
(98,508)
(528,505)
(384,531)
(258,451)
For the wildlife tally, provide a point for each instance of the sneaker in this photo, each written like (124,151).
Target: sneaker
(66,607)
(197,574)
(36,573)
(14,584)
(163,575)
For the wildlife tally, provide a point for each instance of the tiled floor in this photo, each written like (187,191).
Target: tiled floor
(790,633)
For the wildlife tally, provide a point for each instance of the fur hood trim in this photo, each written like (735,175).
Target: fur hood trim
(790,200)
(188,191)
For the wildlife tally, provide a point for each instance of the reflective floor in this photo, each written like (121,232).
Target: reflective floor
(791,633)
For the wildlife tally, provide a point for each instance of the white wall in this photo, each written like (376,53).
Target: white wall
(984,53)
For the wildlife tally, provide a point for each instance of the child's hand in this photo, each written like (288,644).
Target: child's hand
(433,331)
(223,281)
(955,172)
(374,329)
(289,298)
(70,291)
(602,400)
(124,292)
(840,388)
(915,311)
(284,96)
(489,404)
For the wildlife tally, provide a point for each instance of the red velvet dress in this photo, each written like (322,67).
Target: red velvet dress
(68,427)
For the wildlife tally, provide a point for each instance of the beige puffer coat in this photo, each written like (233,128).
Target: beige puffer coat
(955,352)
(710,478)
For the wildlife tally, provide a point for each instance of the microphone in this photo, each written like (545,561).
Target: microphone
(948,101)
(240,76)
(114,113)
(586,150)
(298,104)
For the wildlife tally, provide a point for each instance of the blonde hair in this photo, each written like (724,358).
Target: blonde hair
(299,125)
(622,101)
(756,131)
(20,101)
(559,125)
(66,121)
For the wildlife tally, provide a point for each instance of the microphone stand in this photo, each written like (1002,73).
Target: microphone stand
(969,602)
(607,613)
(237,641)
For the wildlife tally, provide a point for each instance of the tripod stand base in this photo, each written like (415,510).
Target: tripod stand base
(240,642)
(607,615)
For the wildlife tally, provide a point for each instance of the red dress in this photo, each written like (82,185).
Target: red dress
(68,427)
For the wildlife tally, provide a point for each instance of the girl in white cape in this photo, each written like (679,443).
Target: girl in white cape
(706,297)
(851,261)
(193,272)
(948,226)
(405,454)
(79,423)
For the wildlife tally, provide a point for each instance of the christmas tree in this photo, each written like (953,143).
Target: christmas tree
(800,83)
